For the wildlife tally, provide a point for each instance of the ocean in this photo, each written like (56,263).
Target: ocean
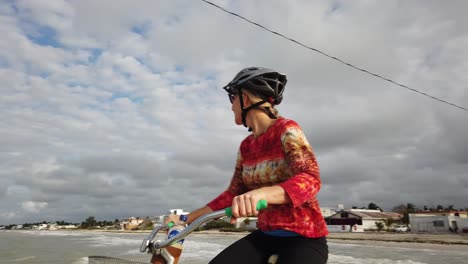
(74,247)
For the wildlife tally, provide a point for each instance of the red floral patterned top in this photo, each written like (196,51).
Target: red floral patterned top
(280,156)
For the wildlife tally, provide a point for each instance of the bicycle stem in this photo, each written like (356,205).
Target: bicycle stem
(159,247)
(189,229)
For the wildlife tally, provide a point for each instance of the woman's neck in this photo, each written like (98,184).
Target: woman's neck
(259,122)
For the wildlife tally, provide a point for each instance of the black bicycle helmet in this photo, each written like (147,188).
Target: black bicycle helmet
(268,84)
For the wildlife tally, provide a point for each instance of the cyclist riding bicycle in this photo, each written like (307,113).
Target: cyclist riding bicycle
(275,162)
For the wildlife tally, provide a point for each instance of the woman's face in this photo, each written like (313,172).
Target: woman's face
(236,108)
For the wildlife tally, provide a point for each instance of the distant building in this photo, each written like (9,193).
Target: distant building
(158,219)
(439,221)
(131,223)
(177,211)
(67,226)
(39,227)
(327,211)
(359,219)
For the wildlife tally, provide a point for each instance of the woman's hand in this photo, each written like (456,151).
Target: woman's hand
(246,204)
(173,218)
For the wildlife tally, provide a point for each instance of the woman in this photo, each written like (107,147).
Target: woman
(276,163)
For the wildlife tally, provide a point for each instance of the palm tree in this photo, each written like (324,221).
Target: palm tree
(90,222)
(373,206)
(388,222)
(379,226)
(405,210)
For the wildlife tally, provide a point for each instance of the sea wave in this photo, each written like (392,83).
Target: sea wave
(83,260)
(108,241)
(21,259)
(338,259)
(394,247)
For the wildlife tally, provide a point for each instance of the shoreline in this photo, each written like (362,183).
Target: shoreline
(417,238)
(365,237)
(442,239)
(422,238)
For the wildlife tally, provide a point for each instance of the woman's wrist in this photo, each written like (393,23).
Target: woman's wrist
(274,194)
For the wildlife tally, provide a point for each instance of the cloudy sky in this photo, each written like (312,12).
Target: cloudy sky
(115,108)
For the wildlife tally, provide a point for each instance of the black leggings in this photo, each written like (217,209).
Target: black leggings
(256,248)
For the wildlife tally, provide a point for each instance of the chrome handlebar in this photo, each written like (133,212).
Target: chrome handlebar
(158,247)
(153,246)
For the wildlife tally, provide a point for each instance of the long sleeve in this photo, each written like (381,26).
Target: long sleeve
(305,183)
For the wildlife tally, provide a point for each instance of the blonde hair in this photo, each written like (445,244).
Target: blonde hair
(269,109)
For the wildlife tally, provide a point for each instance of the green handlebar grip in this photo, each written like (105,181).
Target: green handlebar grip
(262,204)
(170,224)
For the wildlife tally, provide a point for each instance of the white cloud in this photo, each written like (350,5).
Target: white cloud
(33,207)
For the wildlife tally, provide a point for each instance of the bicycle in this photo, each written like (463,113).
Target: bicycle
(163,252)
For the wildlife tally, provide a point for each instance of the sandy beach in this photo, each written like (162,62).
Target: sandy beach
(366,237)
(449,239)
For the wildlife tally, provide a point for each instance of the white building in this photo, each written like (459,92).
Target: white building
(68,227)
(158,219)
(131,223)
(439,221)
(39,227)
(327,211)
(177,211)
(359,219)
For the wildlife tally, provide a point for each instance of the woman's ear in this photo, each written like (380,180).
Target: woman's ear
(246,99)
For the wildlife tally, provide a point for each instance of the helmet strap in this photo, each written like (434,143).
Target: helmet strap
(245,110)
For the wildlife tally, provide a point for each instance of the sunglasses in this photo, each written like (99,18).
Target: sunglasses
(231,98)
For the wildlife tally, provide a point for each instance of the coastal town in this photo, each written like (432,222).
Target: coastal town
(371,219)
